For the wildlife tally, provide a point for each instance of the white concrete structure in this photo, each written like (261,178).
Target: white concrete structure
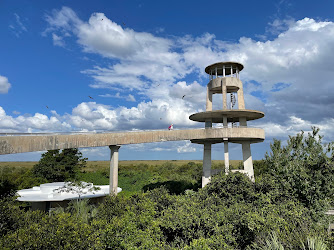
(46,196)
(225,80)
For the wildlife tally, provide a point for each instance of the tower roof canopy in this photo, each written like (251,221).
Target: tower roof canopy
(220,65)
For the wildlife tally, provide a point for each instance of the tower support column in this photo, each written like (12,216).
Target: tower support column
(242,122)
(247,159)
(241,101)
(113,178)
(208,99)
(224,92)
(208,123)
(226,154)
(206,178)
(226,157)
(225,124)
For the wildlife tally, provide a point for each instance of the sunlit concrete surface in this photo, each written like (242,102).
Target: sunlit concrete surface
(47,192)
(217,116)
(31,143)
(47,196)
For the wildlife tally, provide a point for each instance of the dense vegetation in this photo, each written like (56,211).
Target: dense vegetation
(162,207)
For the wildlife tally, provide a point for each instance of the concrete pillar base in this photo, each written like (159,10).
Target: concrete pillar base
(226,157)
(205,181)
(113,178)
(206,178)
(247,159)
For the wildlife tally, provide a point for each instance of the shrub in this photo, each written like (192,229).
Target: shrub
(59,166)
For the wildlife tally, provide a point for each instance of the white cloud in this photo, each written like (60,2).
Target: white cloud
(294,125)
(57,40)
(4,85)
(278,26)
(95,152)
(19,23)
(18,27)
(107,38)
(92,116)
(155,114)
(159,149)
(171,146)
(166,107)
(65,19)
(142,54)
(160,30)
(186,148)
(129,98)
(31,124)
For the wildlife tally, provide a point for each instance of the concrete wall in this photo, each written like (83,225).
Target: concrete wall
(232,84)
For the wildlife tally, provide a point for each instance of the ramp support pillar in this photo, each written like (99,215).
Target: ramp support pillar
(113,178)
(206,178)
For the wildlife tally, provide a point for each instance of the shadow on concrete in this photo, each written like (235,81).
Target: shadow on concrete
(174,187)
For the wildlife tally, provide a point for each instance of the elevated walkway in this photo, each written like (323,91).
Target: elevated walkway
(31,143)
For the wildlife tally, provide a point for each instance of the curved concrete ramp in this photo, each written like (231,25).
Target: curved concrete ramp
(31,143)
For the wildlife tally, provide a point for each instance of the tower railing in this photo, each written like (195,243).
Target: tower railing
(225,71)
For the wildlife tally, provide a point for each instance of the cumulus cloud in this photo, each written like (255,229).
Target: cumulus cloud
(4,85)
(166,106)
(294,125)
(145,58)
(129,98)
(30,124)
(186,148)
(107,38)
(159,113)
(92,116)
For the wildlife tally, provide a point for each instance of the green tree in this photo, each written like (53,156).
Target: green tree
(7,184)
(59,166)
(303,169)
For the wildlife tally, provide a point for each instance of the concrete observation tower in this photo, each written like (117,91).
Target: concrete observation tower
(225,80)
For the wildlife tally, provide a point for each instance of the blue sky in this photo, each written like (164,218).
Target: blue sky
(124,65)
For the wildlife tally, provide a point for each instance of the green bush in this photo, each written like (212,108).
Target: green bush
(53,232)
(303,169)
(9,215)
(59,166)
